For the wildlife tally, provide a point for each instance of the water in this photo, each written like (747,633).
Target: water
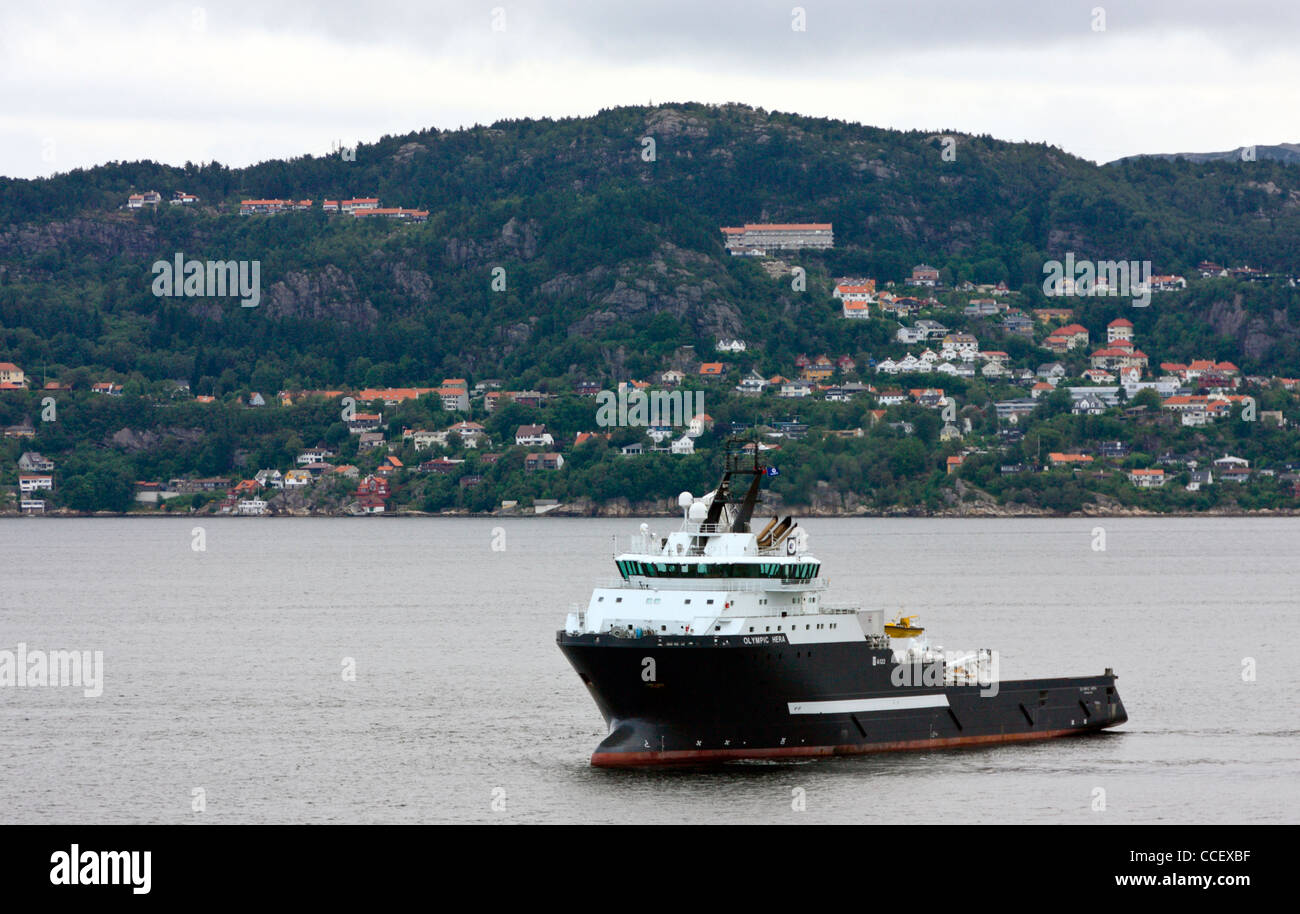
(224,672)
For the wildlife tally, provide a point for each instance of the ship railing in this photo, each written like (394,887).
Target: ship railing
(652,542)
(744,585)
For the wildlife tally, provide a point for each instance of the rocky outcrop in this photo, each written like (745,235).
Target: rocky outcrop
(323,295)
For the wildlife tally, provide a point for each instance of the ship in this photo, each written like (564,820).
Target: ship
(717,643)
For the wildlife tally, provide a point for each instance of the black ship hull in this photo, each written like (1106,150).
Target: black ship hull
(703,700)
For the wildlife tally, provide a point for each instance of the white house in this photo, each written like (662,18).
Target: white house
(1147,479)
(533,436)
(270,479)
(470,433)
(752,383)
(730,346)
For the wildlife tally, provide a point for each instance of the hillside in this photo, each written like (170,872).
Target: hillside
(612,266)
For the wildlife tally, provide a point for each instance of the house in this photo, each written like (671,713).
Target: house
(471,434)
(314,455)
(683,445)
(954,463)
(1119,355)
(370,440)
(421,439)
(1018,324)
(855,310)
(373,486)
(711,370)
(632,450)
(358,204)
(180,198)
(295,479)
(1208,269)
(1088,405)
(107,388)
(730,346)
(148,198)
(545,461)
(820,370)
(533,436)
(924,275)
(1200,478)
(1228,462)
(890,397)
(672,377)
(583,437)
(850,290)
(699,425)
(753,384)
(35,462)
(1049,315)
(32,482)
(31,505)
(11,376)
(1235,474)
(389,465)
(443,466)
(364,422)
(930,397)
(1109,396)
(1051,371)
(1120,329)
(399,213)
(1063,339)
(961,342)
(269,479)
(1060,459)
(252,507)
(1041,389)
(1114,450)
(1147,479)
(19,431)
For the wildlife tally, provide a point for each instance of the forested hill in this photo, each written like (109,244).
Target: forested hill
(612,257)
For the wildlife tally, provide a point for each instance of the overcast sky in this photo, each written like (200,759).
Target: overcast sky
(83,83)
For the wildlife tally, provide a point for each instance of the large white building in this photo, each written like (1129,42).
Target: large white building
(765,238)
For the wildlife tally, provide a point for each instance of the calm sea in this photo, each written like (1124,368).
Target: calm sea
(224,673)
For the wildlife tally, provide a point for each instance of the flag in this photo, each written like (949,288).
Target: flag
(773,471)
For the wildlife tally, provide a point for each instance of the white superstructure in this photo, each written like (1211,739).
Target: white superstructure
(710,579)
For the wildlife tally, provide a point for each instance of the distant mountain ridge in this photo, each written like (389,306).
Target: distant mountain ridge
(1286,153)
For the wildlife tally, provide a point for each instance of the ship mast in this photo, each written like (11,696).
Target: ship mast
(729,492)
